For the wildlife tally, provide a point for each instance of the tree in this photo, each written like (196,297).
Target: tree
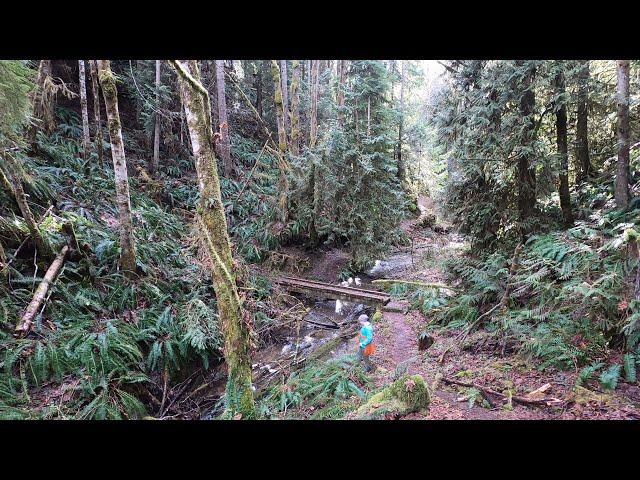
(225,144)
(95,89)
(280,112)
(622,100)
(41,243)
(526,172)
(156,122)
(341,87)
(401,169)
(110,94)
(86,138)
(561,142)
(314,82)
(294,137)
(585,170)
(213,225)
(285,93)
(42,102)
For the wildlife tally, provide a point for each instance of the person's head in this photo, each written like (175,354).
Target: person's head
(363,319)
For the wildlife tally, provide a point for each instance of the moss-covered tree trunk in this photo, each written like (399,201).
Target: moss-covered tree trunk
(41,243)
(622,100)
(95,90)
(225,145)
(295,109)
(561,142)
(283,185)
(86,138)
(340,95)
(585,169)
(42,102)
(313,115)
(213,225)
(110,93)
(285,93)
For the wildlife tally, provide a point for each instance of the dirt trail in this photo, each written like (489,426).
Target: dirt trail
(396,338)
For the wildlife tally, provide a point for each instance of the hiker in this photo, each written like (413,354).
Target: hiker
(366,345)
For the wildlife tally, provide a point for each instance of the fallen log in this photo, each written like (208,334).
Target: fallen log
(24,325)
(515,398)
(416,283)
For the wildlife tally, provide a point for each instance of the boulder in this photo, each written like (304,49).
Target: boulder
(406,395)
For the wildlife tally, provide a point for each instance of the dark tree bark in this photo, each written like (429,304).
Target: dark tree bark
(526,174)
(622,99)
(585,169)
(401,169)
(86,138)
(561,141)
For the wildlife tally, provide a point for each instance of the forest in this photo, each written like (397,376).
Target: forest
(319,239)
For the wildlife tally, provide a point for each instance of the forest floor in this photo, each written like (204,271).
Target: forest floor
(479,359)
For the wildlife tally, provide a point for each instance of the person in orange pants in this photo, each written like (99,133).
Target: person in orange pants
(366,346)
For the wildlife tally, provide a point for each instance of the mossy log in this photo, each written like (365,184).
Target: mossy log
(416,283)
(406,395)
(24,325)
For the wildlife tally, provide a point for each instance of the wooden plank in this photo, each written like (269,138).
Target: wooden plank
(334,291)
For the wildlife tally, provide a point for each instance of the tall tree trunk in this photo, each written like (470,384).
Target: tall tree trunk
(561,141)
(95,90)
(258,86)
(401,169)
(110,93)
(42,102)
(585,169)
(285,93)
(225,144)
(14,171)
(622,99)
(156,120)
(86,137)
(340,96)
(313,129)
(282,139)
(526,174)
(295,109)
(280,112)
(211,216)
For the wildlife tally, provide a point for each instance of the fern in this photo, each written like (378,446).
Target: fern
(609,378)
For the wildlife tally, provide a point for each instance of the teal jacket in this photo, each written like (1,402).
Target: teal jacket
(366,335)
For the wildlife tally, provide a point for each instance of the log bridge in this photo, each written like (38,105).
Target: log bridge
(324,290)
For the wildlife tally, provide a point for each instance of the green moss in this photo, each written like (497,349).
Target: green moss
(407,394)
(325,348)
